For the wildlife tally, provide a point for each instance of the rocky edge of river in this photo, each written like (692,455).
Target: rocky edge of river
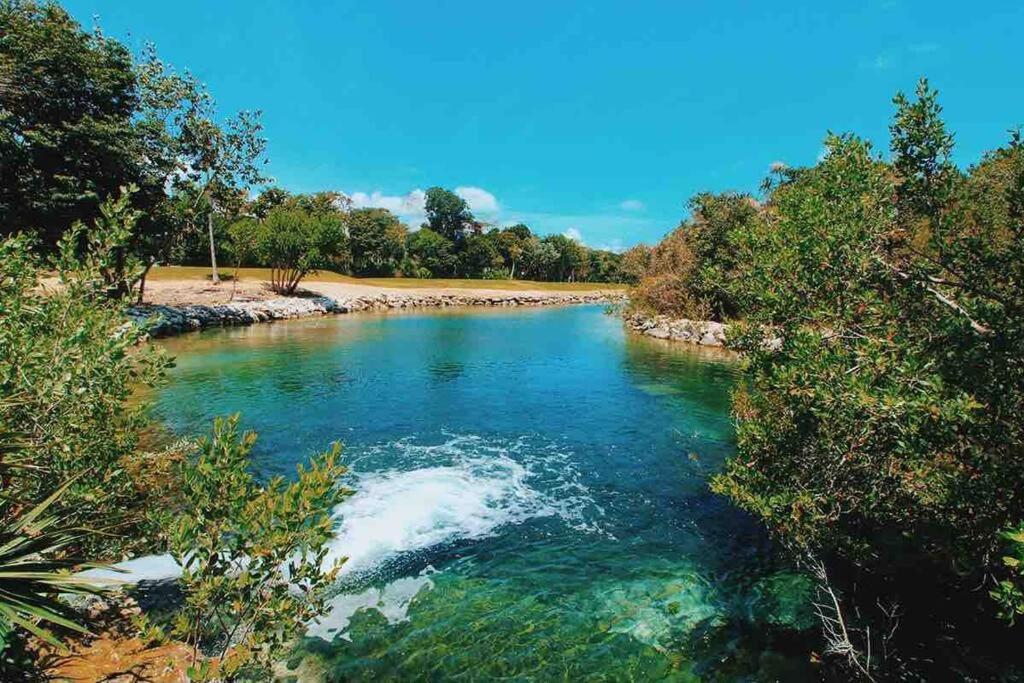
(703,332)
(171,320)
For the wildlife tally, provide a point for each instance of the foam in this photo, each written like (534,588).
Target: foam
(465,488)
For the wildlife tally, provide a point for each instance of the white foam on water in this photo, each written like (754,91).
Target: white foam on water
(392,601)
(466,489)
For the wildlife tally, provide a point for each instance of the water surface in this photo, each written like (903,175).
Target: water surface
(531,495)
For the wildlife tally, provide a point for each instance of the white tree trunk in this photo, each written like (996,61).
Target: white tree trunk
(213,249)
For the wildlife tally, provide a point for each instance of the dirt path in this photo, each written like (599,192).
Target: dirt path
(188,292)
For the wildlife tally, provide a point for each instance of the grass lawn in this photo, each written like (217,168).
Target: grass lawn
(263,274)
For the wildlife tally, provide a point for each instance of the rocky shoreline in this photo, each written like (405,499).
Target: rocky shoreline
(702,332)
(166,321)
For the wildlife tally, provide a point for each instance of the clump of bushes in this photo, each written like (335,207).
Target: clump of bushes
(880,437)
(691,272)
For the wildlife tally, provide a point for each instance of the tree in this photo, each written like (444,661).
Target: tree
(377,240)
(480,256)
(604,266)
(511,244)
(291,242)
(570,258)
(448,214)
(221,161)
(539,258)
(635,261)
(879,417)
(921,151)
(71,131)
(269,198)
(432,251)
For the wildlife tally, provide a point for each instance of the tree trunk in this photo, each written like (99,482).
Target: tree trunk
(142,282)
(512,275)
(215,277)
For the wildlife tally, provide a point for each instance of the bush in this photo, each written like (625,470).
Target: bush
(68,364)
(883,435)
(253,555)
(690,274)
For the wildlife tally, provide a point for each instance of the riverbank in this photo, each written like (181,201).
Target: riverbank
(701,332)
(177,306)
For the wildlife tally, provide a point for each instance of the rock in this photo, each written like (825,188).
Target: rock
(703,332)
(163,321)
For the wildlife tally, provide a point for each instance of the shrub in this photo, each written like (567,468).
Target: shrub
(68,364)
(253,555)
(883,435)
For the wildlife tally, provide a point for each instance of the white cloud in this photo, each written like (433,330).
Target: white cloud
(574,234)
(615,245)
(632,205)
(479,199)
(777,166)
(410,207)
(402,205)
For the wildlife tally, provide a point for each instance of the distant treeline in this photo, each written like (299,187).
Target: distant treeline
(451,243)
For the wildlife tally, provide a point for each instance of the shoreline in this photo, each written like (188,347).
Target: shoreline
(698,332)
(175,319)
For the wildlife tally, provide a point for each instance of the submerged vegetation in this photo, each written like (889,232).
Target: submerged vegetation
(879,436)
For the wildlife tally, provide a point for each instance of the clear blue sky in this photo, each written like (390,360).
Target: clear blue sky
(600,117)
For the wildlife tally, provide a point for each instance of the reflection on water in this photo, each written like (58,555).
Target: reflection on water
(532,498)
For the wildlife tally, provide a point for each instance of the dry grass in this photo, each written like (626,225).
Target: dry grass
(256,275)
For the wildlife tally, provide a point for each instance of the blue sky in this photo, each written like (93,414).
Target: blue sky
(598,119)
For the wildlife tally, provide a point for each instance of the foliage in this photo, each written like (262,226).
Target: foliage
(480,255)
(81,117)
(68,365)
(35,571)
(882,407)
(292,242)
(377,240)
(254,556)
(511,244)
(634,263)
(108,245)
(432,251)
(67,136)
(448,214)
(1009,592)
(690,274)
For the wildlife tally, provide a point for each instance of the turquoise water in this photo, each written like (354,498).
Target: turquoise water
(531,496)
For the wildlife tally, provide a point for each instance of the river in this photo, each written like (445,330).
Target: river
(531,495)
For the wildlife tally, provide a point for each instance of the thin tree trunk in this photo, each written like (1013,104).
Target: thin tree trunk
(213,249)
(142,282)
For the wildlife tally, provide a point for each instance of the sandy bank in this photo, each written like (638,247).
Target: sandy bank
(182,306)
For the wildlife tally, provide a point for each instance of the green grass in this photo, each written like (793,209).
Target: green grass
(263,275)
